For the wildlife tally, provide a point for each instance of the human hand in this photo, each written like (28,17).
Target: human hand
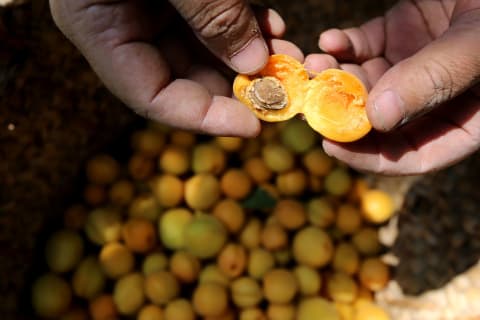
(422,60)
(153,55)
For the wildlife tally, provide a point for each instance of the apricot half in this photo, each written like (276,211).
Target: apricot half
(333,101)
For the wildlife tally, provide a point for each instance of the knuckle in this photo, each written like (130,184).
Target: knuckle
(440,81)
(215,19)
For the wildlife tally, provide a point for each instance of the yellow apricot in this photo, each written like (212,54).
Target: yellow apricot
(167,189)
(63,250)
(317,308)
(183,138)
(290,213)
(259,262)
(232,259)
(140,167)
(312,247)
(251,234)
(377,206)
(280,286)
(374,274)
(258,171)
(156,261)
(276,311)
(88,279)
(116,259)
(103,307)
(150,312)
(338,182)
(213,273)
(184,266)
(309,280)
(346,258)
(179,309)
(365,310)
(174,160)
(208,158)
(161,287)
(139,235)
(292,183)
(349,219)
(318,162)
(51,296)
(246,292)
(229,143)
(235,183)
(128,293)
(230,213)
(148,142)
(341,287)
(202,191)
(367,242)
(171,227)
(144,206)
(274,236)
(210,299)
(320,212)
(277,157)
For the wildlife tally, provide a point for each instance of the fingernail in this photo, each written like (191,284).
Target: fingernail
(251,58)
(389,110)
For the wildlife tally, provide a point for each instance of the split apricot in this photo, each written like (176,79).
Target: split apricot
(333,101)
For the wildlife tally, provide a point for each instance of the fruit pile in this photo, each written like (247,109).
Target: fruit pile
(191,227)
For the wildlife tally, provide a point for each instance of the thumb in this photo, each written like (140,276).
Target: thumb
(437,73)
(229,29)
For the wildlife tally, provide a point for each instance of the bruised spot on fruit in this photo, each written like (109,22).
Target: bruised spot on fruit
(267,93)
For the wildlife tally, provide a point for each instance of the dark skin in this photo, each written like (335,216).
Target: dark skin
(428,52)
(166,60)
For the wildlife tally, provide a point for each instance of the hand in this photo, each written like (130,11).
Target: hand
(423,60)
(153,55)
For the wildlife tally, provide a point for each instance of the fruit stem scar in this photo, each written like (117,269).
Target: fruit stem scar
(267,93)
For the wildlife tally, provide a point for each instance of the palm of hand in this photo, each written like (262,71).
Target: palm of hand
(440,137)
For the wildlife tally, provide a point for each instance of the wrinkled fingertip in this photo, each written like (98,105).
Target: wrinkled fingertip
(251,58)
(334,41)
(279,46)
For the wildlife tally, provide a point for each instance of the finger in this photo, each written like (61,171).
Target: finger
(229,29)
(270,22)
(375,68)
(355,44)
(317,62)
(440,71)
(285,47)
(211,79)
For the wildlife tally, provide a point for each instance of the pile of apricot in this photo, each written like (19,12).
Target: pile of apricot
(196,227)
(332,101)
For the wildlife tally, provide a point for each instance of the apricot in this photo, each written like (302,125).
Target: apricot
(210,299)
(258,171)
(349,219)
(154,262)
(280,286)
(274,236)
(317,308)
(230,213)
(88,279)
(309,280)
(179,309)
(320,212)
(366,310)
(174,160)
(161,287)
(312,247)
(377,206)
(204,236)
(341,287)
(148,142)
(184,266)
(298,135)
(346,258)
(63,250)
(255,313)
(144,206)
(208,158)
(277,157)
(213,273)
(230,144)
(116,259)
(235,183)
(276,311)
(259,262)
(128,293)
(140,167)
(246,292)
(103,225)
(202,191)
(290,213)
(171,227)
(182,138)
(168,190)
(366,241)
(333,101)
(374,274)
(150,312)
(232,259)
(338,182)
(103,307)
(292,183)
(51,296)
(317,162)
(139,235)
